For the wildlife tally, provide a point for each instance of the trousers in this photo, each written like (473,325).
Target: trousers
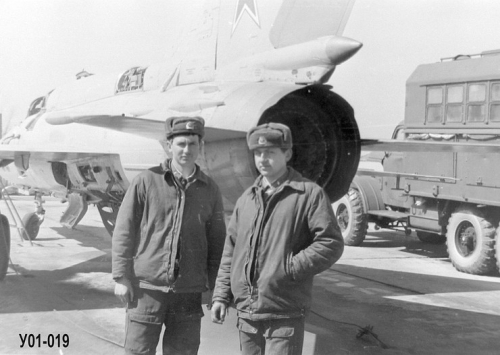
(179,313)
(272,337)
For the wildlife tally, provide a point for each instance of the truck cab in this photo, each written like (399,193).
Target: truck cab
(451,197)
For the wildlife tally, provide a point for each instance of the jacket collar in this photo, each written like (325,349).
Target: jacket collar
(166,167)
(293,180)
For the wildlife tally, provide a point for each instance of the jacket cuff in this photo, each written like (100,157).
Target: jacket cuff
(221,300)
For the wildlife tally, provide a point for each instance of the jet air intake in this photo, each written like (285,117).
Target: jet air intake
(326,141)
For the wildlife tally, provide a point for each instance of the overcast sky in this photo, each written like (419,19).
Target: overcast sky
(44,43)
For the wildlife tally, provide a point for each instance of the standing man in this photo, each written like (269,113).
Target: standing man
(167,246)
(281,234)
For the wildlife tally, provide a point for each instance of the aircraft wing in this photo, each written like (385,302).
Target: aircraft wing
(229,109)
(139,126)
(393,145)
(143,127)
(12,152)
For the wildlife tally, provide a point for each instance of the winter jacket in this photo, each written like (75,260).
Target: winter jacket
(272,252)
(166,237)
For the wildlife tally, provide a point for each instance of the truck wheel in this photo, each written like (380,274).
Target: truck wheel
(431,238)
(351,217)
(471,240)
(497,248)
(4,246)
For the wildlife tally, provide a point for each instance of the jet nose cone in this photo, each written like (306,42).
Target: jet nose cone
(339,49)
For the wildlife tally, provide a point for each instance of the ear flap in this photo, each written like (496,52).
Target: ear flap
(288,154)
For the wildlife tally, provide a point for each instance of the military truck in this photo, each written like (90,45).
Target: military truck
(451,197)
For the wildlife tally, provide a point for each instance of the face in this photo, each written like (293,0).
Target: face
(271,161)
(184,149)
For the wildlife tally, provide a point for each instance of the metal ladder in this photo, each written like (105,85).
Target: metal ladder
(21,228)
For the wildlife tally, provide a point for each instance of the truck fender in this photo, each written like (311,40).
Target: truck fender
(369,189)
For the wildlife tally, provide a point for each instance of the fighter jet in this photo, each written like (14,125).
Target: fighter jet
(246,62)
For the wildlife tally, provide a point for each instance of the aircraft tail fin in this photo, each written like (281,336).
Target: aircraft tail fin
(248,37)
(301,20)
(254,33)
(196,49)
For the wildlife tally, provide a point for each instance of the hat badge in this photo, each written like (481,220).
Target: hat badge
(262,140)
(190,125)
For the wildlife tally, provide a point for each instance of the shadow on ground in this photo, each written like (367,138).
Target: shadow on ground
(406,327)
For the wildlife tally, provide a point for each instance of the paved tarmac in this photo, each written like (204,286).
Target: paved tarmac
(60,289)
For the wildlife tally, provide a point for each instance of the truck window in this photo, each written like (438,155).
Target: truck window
(434,104)
(495,102)
(476,111)
(454,103)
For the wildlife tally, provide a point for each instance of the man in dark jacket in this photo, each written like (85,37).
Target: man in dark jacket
(167,246)
(282,232)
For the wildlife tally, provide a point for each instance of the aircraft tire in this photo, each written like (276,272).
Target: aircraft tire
(471,241)
(4,246)
(431,238)
(31,223)
(351,217)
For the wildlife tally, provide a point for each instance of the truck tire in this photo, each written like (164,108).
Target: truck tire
(431,238)
(4,246)
(471,240)
(351,217)
(497,248)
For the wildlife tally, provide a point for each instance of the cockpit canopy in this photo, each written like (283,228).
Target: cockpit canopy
(132,79)
(36,106)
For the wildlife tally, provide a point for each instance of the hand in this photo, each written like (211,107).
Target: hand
(219,312)
(124,290)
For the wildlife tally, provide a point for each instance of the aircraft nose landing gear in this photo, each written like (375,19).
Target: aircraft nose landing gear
(33,220)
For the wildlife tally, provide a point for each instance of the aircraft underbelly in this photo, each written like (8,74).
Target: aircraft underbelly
(39,174)
(133,155)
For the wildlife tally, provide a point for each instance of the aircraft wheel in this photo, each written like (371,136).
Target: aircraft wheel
(471,240)
(431,238)
(31,223)
(351,217)
(4,246)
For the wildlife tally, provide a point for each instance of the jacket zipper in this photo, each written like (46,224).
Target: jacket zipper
(263,209)
(175,233)
(254,252)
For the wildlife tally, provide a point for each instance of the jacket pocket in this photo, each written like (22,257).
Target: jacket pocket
(280,332)
(244,327)
(148,326)
(147,319)
(289,268)
(142,241)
